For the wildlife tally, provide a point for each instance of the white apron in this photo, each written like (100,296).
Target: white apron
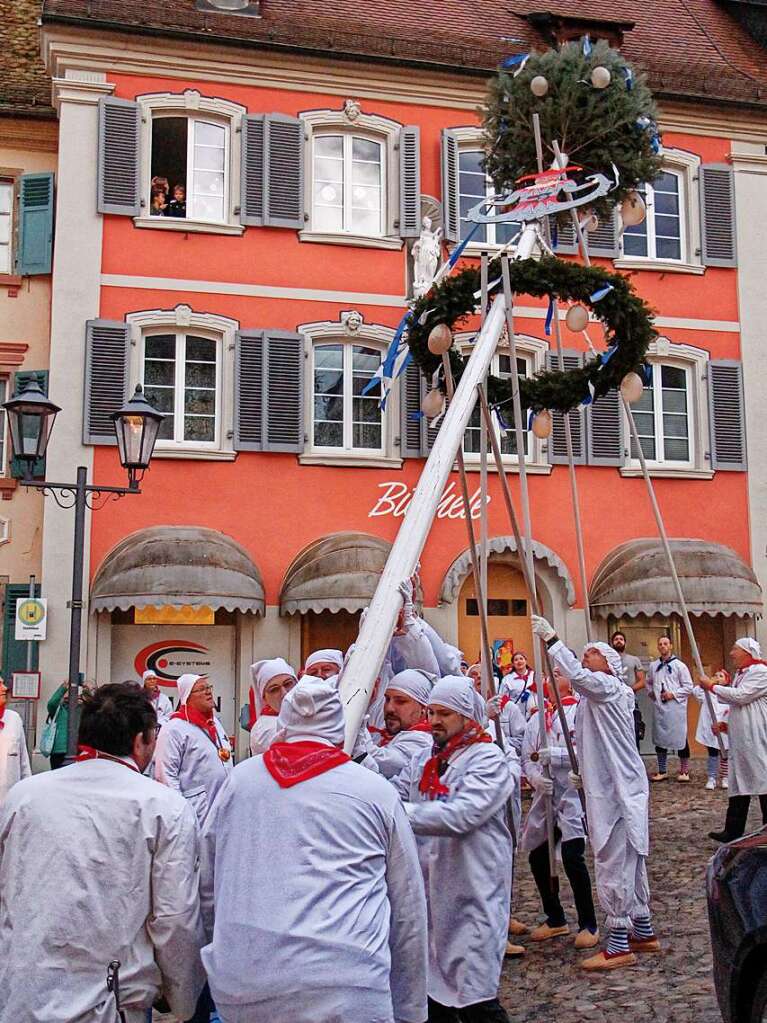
(703,733)
(669,718)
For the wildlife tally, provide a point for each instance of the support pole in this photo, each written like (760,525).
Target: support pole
(488,685)
(76,607)
(376,631)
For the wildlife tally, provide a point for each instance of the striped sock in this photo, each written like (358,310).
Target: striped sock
(724,766)
(712,766)
(618,941)
(642,928)
(684,765)
(662,763)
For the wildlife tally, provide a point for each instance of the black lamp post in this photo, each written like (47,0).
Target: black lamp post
(30,419)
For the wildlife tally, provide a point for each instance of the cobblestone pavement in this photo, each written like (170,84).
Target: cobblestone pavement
(676,986)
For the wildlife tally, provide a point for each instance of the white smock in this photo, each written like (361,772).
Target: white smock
(517,688)
(187,759)
(464,845)
(513,725)
(747,726)
(669,718)
(163,708)
(565,801)
(97,862)
(399,751)
(14,757)
(448,657)
(615,785)
(262,734)
(703,733)
(328,920)
(412,649)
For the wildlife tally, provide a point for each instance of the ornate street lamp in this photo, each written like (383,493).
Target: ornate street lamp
(30,419)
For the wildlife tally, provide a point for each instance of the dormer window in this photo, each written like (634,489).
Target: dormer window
(559,28)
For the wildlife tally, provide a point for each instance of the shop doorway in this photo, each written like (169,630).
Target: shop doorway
(508,611)
(324,630)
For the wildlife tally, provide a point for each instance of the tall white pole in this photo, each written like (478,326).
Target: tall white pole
(376,631)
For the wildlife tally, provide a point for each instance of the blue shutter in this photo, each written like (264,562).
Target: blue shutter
(15,651)
(35,224)
(20,381)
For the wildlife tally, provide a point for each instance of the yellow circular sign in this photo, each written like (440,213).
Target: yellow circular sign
(31,612)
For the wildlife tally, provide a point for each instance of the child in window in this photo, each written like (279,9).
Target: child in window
(158,206)
(177,205)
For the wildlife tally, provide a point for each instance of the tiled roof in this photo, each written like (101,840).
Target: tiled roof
(689,47)
(24,86)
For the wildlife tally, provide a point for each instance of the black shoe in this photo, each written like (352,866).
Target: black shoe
(721,836)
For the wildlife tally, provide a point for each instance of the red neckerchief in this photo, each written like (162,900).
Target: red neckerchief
(266,710)
(430,784)
(194,717)
(292,762)
(386,738)
(90,753)
(566,701)
(2,715)
(751,662)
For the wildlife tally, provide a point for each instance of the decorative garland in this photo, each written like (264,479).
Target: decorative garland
(627,320)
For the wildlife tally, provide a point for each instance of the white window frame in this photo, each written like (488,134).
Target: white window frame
(350,120)
(491,244)
(694,360)
(370,336)
(11,182)
(533,350)
(471,139)
(685,167)
(5,394)
(193,105)
(347,141)
(184,320)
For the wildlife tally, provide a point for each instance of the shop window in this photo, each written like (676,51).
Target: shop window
(663,416)
(662,234)
(344,419)
(189,174)
(181,376)
(473,186)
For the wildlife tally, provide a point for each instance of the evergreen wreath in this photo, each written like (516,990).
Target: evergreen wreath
(598,129)
(626,317)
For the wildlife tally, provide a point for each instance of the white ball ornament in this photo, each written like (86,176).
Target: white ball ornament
(539,86)
(632,387)
(542,424)
(577,317)
(433,403)
(600,77)
(440,339)
(633,210)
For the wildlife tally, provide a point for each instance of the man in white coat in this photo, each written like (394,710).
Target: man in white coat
(329,923)
(457,795)
(747,731)
(14,757)
(669,686)
(324,663)
(272,679)
(615,785)
(193,754)
(98,862)
(162,705)
(406,730)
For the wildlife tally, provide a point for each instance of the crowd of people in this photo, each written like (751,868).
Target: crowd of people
(310,884)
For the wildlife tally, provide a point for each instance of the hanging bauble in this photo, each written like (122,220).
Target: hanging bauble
(539,86)
(577,317)
(542,424)
(440,339)
(633,210)
(600,77)
(433,403)
(632,387)
(590,223)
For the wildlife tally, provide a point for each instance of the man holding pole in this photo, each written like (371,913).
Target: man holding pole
(407,731)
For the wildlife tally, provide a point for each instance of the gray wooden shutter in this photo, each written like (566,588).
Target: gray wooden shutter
(727,415)
(451,212)
(605,430)
(567,243)
(410,182)
(604,241)
(252,170)
(283,399)
(119,189)
(284,171)
(248,390)
(557,442)
(35,247)
(717,215)
(106,378)
(412,426)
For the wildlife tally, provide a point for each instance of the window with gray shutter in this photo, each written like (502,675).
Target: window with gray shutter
(557,442)
(604,241)
(412,424)
(566,242)
(252,170)
(106,378)
(717,215)
(727,415)
(410,182)
(451,214)
(119,157)
(269,391)
(272,171)
(605,430)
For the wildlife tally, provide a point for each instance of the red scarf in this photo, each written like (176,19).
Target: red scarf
(386,738)
(292,762)
(90,753)
(194,717)
(751,662)
(2,715)
(430,784)
(566,701)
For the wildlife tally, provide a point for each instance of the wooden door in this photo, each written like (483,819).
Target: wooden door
(508,611)
(328,630)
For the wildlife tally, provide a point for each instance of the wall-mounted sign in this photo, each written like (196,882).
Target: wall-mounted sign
(31,618)
(174,614)
(25,685)
(396,498)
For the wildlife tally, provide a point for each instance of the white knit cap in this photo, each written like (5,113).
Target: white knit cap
(311,710)
(262,672)
(324,657)
(413,683)
(149,674)
(612,657)
(749,645)
(456,692)
(184,685)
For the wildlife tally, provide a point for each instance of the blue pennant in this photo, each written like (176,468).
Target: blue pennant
(647,374)
(549,317)
(628,74)
(501,421)
(387,367)
(515,59)
(415,415)
(530,418)
(605,357)
(587,47)
(600,293)
(455,255)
